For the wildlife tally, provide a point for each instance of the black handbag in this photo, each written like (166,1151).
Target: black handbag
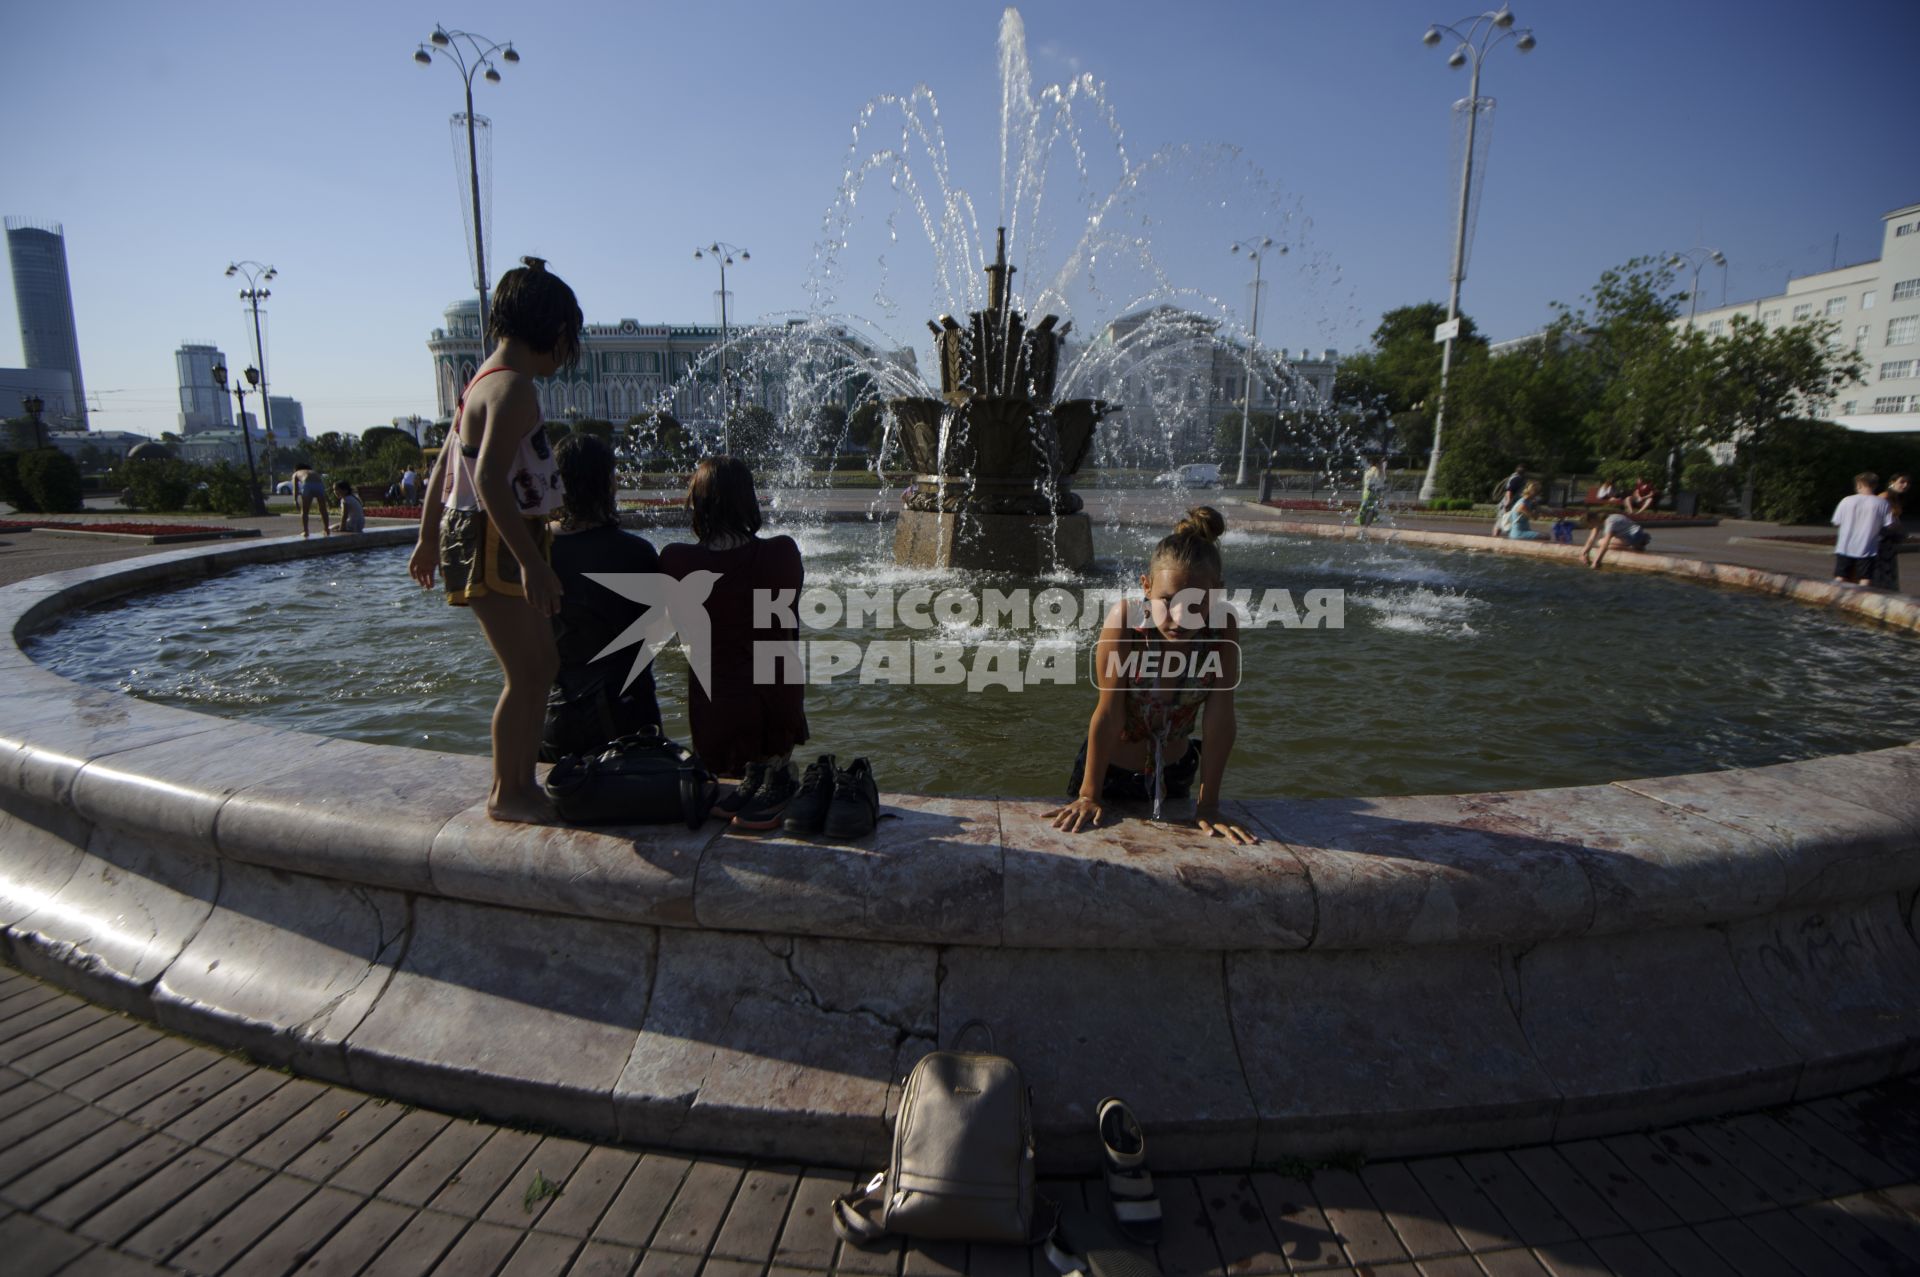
(642,779)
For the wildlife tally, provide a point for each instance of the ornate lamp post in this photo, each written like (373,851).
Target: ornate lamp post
(246,436)
(32,404)
(1700,259)
(1255,249)
(470,54)
(1482,34)
(722,254)
(253,294)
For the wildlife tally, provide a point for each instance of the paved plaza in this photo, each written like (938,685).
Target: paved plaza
(124,1149)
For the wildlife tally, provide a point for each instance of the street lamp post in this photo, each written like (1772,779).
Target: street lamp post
(33,403)
(1483,33)
(1255,249)
(246,436)
(253,294)
(1700,259)
(722,254)
(470,54)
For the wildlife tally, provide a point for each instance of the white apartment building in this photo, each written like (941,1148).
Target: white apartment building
(1877,307)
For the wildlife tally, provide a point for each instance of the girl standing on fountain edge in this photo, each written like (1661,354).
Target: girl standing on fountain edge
(497,482)
(1160,665)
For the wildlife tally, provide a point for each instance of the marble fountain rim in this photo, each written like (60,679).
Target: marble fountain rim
(1512,868)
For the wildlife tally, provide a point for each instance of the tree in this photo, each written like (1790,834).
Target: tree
(658,434)
(1528,405)
(752,432)
(1399,377)
(826,430)
(867,426)
(52,480)
(373,438)
(1639,374)
(331,451)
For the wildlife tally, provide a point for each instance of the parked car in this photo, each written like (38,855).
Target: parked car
(1199,474)
(284,488)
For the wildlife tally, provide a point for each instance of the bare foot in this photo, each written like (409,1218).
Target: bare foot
(527,809)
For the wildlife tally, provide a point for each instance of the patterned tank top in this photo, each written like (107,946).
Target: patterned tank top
(535,479)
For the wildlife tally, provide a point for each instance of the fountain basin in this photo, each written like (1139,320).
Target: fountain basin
(1384,975)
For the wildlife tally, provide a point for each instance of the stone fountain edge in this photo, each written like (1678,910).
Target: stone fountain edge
(1390,975)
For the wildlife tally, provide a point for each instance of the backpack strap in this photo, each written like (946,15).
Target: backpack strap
(852,1223)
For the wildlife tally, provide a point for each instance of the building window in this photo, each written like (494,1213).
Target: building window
(1771,317)
(1906,289)
(1868,298)
(1894,369)
(1803,310)
(1907,229)
(1836,306)
(1846,409)
(1890,403)
(1903,330)
(1715,328)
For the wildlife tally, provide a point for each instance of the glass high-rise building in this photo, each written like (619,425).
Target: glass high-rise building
(45,301)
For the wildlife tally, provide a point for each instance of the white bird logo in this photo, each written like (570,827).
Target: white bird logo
(674,605)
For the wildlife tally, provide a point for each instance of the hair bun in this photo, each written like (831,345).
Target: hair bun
(534,263)
(1202,522)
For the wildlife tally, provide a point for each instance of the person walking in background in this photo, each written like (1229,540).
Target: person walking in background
(1861,518)
(1886,556)
(497,482)
(1506,493)
(310,489)
(353,517)
(591,702)
(1373,488)
(742,725)
(409,486)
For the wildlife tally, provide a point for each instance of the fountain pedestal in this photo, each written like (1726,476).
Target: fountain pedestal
(993,456)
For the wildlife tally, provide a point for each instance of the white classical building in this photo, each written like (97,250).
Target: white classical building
(1877,307)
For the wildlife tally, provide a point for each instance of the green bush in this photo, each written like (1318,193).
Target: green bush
(12,491)
(52,481)
(1717,486)
(158,483)
(1471,465)
(227,491)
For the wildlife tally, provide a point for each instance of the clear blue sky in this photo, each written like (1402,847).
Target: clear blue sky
(170,139)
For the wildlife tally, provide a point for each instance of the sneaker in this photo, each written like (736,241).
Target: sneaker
(856,802)
(768,804)
(740,795)
(807,813)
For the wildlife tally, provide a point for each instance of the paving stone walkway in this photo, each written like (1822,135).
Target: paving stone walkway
(125,1149)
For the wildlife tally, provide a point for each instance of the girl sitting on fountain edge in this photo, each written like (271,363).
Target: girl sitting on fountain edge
(1160,664)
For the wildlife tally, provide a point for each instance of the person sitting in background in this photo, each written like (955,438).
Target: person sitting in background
(1516,522)
(353,518)
(1640,500)
(591,702)
(1606,530)
(1606,493)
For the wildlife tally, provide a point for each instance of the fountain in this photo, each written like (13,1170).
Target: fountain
(992,456)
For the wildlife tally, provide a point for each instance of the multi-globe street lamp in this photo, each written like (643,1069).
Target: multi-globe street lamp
(1700,259)
(471,54)
(246,436)
(1482,34)
(722,254)
(253,294)
(1256,249)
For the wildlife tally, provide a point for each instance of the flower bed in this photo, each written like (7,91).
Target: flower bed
(118,528)
(392,511)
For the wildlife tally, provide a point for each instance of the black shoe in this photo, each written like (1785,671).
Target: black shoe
(807,813)
(856,802)
(740,795)
(768,805)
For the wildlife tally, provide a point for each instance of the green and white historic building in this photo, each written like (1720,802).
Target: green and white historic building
(630,369)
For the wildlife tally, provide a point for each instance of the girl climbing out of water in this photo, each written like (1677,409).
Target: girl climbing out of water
(1163,664)
(497,483)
